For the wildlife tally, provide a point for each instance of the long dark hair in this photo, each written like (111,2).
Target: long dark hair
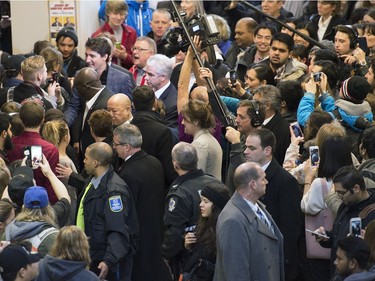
(206,227)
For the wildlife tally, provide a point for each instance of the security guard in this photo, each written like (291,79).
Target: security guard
(182,203)
(107,214)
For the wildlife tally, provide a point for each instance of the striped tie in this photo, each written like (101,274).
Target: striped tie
(265,220)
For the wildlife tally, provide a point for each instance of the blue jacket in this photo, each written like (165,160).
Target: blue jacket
(349,111)
(139,16)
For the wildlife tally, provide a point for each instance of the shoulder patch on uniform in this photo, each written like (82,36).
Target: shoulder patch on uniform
(115,203)
(171,205)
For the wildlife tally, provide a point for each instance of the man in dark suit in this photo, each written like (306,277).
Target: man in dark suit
(249,243)
(157,137)
(271,98)
(94,96)
(98,53)
(144,175)
(158,73)
(282,196)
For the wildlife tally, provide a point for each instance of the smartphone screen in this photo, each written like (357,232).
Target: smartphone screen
(36,155)
(355,226)
(296,129)
(233,76)
(314,155)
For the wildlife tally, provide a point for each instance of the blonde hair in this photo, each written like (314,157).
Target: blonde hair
(329,130)
(222,26)
(71,244)
(54,131)
(45,214)
(31,66)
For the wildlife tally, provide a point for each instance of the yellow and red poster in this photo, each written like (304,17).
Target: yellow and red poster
(61,14)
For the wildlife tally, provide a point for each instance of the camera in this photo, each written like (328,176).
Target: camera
(317,76)
(204,26)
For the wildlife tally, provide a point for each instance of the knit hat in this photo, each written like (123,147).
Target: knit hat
(36,197)
(15,257)
(355,89)
(12,64)
(68,31)
(23,178)
(219,199)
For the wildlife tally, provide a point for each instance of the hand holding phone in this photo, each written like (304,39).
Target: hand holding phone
(296,130)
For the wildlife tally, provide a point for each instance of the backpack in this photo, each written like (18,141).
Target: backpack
(38,239)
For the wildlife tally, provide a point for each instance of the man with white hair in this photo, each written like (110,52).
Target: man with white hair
(158,73)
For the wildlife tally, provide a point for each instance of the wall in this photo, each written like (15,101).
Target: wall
(30,23)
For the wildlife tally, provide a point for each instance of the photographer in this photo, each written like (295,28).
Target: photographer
(351,110)
(351,57)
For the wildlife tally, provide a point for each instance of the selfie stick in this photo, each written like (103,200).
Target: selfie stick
(217,105)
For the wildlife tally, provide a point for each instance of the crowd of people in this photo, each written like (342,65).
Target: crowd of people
(249,159)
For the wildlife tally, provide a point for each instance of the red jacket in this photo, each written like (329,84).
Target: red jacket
(129,35)
(48,149)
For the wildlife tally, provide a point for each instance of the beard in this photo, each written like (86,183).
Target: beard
(8,145)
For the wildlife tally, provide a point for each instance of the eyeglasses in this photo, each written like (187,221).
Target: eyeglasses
(139,49)
(117,144)
(341,193)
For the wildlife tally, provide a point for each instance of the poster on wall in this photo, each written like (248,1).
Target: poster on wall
(61,14)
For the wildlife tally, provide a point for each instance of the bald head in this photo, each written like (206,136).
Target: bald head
(244,32)
(119,106)
(87,82)
(245,173)
(200,93)
(101,152)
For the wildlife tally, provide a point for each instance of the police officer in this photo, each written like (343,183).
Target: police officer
(182,203)
(107,214)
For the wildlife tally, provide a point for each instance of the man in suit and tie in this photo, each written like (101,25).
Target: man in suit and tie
(98,53)
(94,96)
(249,243)
(158,73)
(145,176)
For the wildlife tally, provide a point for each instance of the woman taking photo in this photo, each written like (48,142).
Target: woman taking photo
(201,244)
(334,153)
(68,259)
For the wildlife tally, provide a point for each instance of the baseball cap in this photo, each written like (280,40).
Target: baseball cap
(14,257)
(23,178)
(13,63)
(36,197)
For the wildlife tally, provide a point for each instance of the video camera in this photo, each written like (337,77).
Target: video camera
(204,26)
